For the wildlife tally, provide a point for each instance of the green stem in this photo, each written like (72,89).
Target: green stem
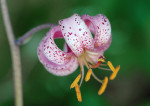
(15,55)
(27,35)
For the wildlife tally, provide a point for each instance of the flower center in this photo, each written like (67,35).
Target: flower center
(84,59)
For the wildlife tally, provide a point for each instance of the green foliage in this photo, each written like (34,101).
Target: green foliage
(130,22)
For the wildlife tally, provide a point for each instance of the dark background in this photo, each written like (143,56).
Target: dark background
(130,22)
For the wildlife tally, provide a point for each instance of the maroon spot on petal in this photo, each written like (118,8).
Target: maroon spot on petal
(103,23)
(63,54)
(69,27)
(80,29)
(105,20)
(52,43)
(69,33)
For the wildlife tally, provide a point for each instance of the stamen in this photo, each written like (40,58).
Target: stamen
(85,62)
(113,75)
(88,75)
(111,66)
(104,68)
(89,58)
(103,87)
(96,78)
(78,93)
(82,72)
(75,82)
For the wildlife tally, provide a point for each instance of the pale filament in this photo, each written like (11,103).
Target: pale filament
(92,62)
(82,73)
(96,78)
(104,68)
(84,58)
(88,66)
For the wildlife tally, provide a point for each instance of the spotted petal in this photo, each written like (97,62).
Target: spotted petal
(76,34)
(55,60)
(101,27)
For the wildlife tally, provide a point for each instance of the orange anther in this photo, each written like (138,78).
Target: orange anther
(88,75)
(103,87)
(78,93)
(113,75)
(111,66)
(75,82)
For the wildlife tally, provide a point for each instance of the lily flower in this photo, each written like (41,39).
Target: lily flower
(80,49)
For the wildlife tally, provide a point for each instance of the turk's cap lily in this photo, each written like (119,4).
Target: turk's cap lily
(80,49)
(77,32)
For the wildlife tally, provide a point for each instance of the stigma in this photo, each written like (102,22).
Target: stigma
(84,59)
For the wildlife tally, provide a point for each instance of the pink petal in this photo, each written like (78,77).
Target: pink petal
(101,27)
(67,48)
(56,61)
(76,34)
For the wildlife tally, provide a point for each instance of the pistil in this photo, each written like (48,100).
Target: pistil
(96,65)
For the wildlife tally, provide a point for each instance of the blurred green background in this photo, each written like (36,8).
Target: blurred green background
(130,22)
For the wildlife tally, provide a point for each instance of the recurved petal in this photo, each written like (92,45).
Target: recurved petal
(101,27)
(76,34)
(55,60)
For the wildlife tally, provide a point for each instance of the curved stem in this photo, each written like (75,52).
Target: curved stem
(22,39)
(15,55)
